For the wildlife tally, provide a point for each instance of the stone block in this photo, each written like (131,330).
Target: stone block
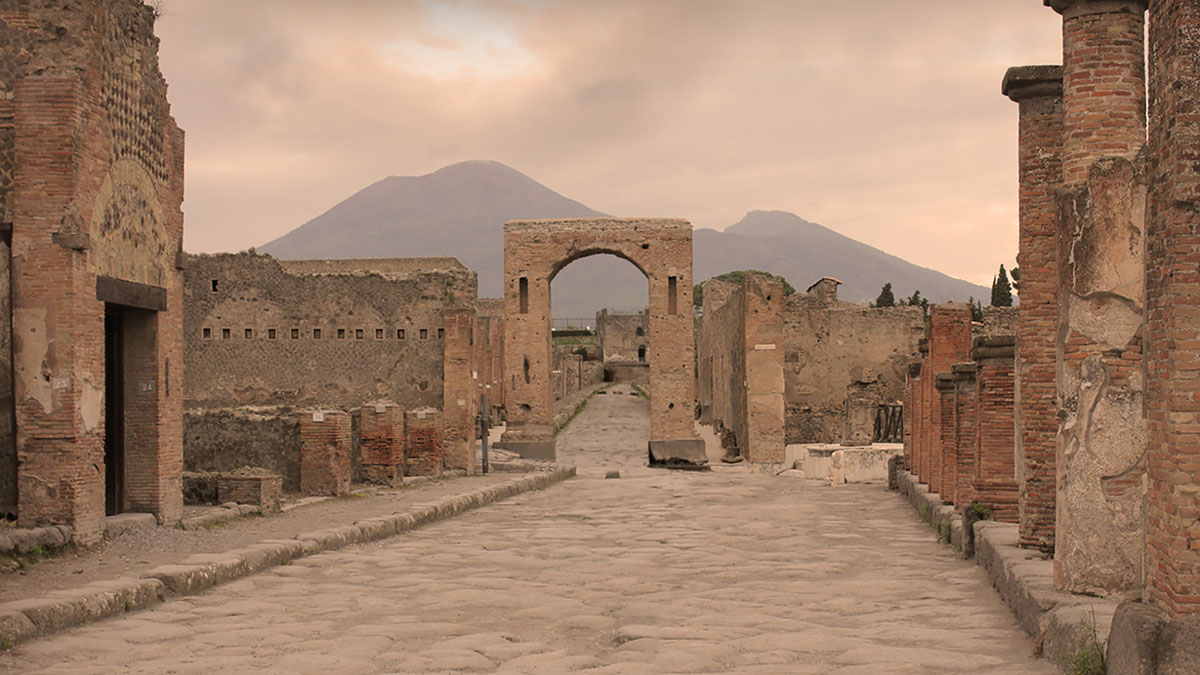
(254,486)
(1133,639)
(325,453)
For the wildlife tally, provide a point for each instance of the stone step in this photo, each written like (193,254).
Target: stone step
(115,526)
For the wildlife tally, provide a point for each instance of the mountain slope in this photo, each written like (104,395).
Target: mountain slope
(460,210)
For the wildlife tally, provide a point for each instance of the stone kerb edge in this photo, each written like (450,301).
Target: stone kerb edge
(1058,621)
(36,617)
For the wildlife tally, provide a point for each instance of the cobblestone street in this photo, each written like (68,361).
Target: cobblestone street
(658,571)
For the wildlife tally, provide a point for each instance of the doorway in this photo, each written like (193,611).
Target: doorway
(114,409)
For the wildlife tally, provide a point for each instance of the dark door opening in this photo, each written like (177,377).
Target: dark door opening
(114,410)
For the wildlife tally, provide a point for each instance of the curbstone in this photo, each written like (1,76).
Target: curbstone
(25,619)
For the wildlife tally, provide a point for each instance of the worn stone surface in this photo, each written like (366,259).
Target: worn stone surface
(534,252)
(1133,639)
(656,572)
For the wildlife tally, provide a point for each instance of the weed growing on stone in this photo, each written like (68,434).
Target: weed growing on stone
(578,409)
(1088,656)
(980,511)
(944,533)
(641,392)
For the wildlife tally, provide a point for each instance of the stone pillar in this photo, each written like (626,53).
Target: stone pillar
(1039,91)
(382,433)
(945,457)
(995,475)
(1101,439)
(762,322)
(325,453)
(460,392)
(1173,311)
(911,404)
(424,445)
(966,417)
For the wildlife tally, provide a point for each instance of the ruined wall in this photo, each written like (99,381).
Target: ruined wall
(721,350)
(228,439)
(91,178)
(489,353)
(258,335)
(624,337)
(834,348)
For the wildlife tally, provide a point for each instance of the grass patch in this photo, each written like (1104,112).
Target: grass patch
(637,389)
(1088,656)
(944,533)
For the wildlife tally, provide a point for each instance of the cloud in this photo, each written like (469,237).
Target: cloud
(882,120)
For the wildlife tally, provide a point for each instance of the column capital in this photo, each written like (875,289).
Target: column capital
(1026,82)
(1074,8)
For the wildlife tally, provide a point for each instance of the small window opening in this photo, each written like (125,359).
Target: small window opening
(358,333)
(316,333)
(226,333)
(639,332)
(441,333)
(249,333)
(295,333)
(672,291)
(424,333)
(645,246)
(642,354)
(399,333)
(214,285)
(524,283)
(270,333)
(378,333)
(341,333)
(527,378)
(207,333)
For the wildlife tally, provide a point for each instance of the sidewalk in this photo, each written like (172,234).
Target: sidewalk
(140,568)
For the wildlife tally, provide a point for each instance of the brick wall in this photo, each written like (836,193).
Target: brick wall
(1038,90)
(944,462)
(324,453)
(423,442)
(91,178)
(381,429)
(949,343)
(460,401)
(1172,300)
(911,400)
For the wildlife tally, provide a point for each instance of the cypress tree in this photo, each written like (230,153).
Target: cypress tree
(1002,289)
(885,299)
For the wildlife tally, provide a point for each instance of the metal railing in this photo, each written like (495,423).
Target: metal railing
(573,324)
(889,423)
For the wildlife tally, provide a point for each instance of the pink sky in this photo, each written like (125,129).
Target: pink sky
(880,119)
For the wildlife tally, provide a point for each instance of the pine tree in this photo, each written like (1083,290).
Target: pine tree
(885,299)
(915,300)
(1002,289)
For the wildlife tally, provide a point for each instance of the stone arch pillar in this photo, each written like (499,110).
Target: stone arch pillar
(534,252)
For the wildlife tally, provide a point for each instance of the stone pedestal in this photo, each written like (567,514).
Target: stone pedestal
(325,453)
(382,434)
(424,442)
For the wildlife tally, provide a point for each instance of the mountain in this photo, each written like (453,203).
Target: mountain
(802,252)
(460,210)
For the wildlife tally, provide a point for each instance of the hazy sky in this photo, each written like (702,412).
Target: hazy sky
(881,119)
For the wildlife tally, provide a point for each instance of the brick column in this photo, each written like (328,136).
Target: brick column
(921,433)
(1101,440)
(949,343)
(1038,90)
(995,482)
(382,432)
(460,391)
(945,457)
(325,453)
(1173,311)
(423,443)
(911,398)
(966,417)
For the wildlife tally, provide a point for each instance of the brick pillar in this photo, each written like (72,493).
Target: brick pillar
(1173,322)
(325,453)
(945,457)
(949,343)
(911,398)
(460,393)
(423,442)
(1101,439)
(995,481)
(1038,90)
(762,322)
(966,417)
(382,432)
(921,432)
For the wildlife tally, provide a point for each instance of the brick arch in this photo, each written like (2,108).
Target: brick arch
(534,252)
